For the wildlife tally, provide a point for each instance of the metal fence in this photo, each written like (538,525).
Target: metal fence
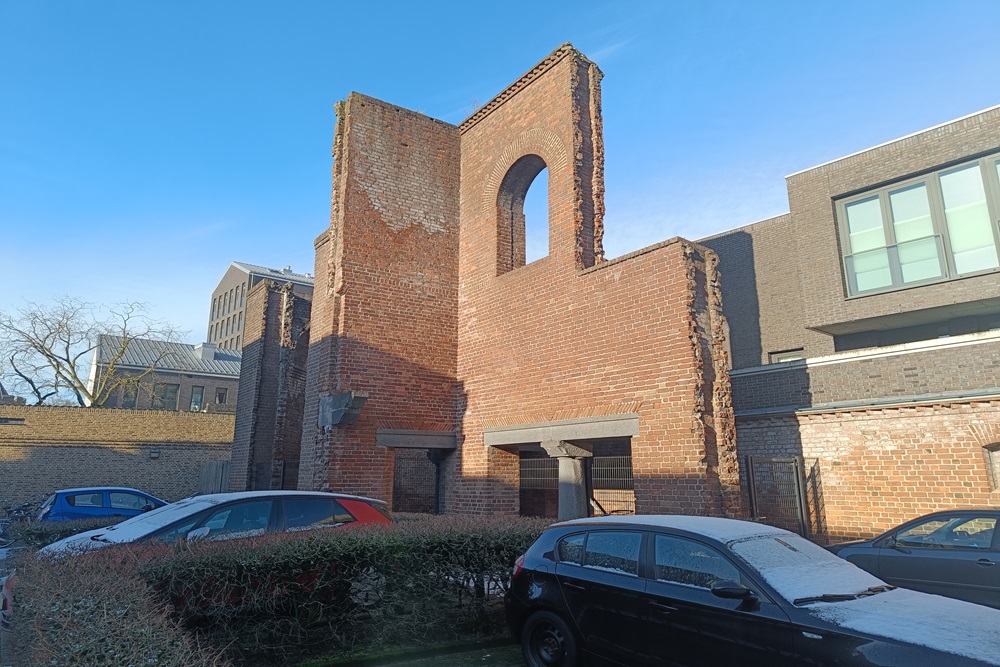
(610,481)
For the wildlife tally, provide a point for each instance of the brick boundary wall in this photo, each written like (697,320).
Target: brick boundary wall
(870,469)
(158,452)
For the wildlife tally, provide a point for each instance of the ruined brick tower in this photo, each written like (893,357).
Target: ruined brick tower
(439,358)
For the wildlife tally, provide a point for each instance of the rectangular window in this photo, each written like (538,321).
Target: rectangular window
(197,398)
(786,355)
(129,395)
(221,395)
(937,227)
(165,396)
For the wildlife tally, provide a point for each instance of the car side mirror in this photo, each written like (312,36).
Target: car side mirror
(198,534)
(733,590)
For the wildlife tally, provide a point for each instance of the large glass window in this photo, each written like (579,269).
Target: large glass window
(959,532)
(933,228)
(165,396)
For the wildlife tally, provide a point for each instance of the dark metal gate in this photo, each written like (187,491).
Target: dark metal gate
(777,492)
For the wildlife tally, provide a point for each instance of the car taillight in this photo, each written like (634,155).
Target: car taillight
(518,567)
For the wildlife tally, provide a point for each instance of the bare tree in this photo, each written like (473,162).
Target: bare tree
(47,349)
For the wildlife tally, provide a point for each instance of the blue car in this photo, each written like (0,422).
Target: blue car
(97,502)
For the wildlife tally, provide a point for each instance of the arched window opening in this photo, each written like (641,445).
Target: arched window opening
(517,244)
(536,218)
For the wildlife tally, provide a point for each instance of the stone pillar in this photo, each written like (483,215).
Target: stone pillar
(573,498)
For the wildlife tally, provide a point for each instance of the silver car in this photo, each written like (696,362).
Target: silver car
(954,553)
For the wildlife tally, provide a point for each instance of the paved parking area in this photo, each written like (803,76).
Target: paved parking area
(500,656)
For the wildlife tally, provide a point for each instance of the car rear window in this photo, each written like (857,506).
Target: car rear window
(313,513)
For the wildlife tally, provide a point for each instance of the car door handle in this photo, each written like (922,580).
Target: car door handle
(985,562)
(575,587)
(663,607)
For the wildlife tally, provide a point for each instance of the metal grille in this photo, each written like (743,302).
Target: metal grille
(540,473)
(611,485)
(611,478)
(777,492)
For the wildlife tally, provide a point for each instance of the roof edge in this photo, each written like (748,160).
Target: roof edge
(543,66)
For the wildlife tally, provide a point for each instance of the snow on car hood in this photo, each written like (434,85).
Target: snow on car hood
(796,568)
(940,623)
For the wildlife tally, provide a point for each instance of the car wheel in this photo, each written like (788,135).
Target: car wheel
(547,641)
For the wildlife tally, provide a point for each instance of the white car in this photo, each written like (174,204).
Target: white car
(220,516)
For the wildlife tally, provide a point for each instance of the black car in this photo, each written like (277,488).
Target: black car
(954,553)
(683,590)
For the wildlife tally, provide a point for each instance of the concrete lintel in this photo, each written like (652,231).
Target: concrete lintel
(561,448)
(404,439)
(586,428)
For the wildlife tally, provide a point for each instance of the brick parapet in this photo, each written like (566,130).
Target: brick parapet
(902,372)
(80,426)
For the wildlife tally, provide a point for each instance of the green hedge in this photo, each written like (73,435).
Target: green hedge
(277,599)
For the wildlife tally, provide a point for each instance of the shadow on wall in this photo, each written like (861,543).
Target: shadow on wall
(779,486)
(740,301)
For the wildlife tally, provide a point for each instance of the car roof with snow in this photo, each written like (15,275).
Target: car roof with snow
(724,530)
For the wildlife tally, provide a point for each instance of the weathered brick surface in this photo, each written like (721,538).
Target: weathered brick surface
(66,447)
(423,301)
(272,388)
(870,469)
(384,309)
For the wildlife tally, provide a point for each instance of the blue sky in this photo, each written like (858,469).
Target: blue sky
(145,145)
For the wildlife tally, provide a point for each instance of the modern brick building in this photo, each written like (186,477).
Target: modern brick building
(226,317)
(441,363)
(865,327)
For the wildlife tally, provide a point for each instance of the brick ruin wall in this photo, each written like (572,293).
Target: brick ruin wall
(568,336)
(58,448)
(384,306)
(269,411)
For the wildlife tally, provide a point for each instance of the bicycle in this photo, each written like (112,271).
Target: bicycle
(14,516)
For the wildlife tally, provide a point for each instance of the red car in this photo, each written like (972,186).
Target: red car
(225,516)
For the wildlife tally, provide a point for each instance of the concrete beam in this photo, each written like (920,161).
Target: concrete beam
(587,428)
(404,439)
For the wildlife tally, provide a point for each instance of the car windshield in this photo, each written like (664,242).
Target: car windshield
(800,570)
(162,516)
